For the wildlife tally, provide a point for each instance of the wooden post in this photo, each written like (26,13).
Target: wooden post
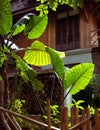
(83,117)
(64,118)
(48,114)
(74,116)
(89,124)
(61,119)
(97,119)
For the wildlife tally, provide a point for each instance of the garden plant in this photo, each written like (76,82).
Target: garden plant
(33,26)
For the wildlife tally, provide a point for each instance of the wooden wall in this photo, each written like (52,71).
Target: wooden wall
(88,22)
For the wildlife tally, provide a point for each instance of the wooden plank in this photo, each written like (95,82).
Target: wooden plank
(61,119)
(48,114)
(79,125)
(83,118)
(64,118)
(97,119)
(32,121)
(89,124)
(74,116)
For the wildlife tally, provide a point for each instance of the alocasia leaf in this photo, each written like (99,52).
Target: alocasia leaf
(36,26)
(5,17)
(78,77)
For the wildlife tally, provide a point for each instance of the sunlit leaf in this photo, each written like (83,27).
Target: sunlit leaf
(5,17)
(19,26)
(78,76)
(36,26)
(57,63)
(37,54)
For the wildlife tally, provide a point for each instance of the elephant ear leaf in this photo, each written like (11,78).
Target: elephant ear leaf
(36,26)
(5,17)
(57,62)
(37,55)
(19,26)
(78,77)
(27,73)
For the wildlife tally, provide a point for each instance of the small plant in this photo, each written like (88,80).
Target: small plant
(76,104)
(17,106)
(54,113)
(91,109)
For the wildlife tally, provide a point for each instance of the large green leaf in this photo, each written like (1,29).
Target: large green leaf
(78,76)
(21,23)
(36,26)
(57,63)
(37,54)
(5,17)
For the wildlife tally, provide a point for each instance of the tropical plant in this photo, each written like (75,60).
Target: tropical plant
(54,112)
(33,27)
(76,104)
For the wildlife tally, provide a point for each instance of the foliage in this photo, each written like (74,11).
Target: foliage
(78,76)
(76,104)
(17,106)
(38,55)
(91,109)
(27,73)
(5,17)
(54,113)
(24,24)
(53,4)
(33,26)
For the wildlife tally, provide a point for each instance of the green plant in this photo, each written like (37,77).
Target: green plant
(76,104)
(17,106)
(44,5)
(91,109)
(33,27)
(54,113)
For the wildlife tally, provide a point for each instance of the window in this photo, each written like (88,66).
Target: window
(67,33)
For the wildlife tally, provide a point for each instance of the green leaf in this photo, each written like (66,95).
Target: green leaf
(79,101)
(0,77)
(26,72)
(37,85)
(19,29)
(36,26)
(57,63)
(3,57)
(20,25)
(5,17)
(78,76)
(37,55)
